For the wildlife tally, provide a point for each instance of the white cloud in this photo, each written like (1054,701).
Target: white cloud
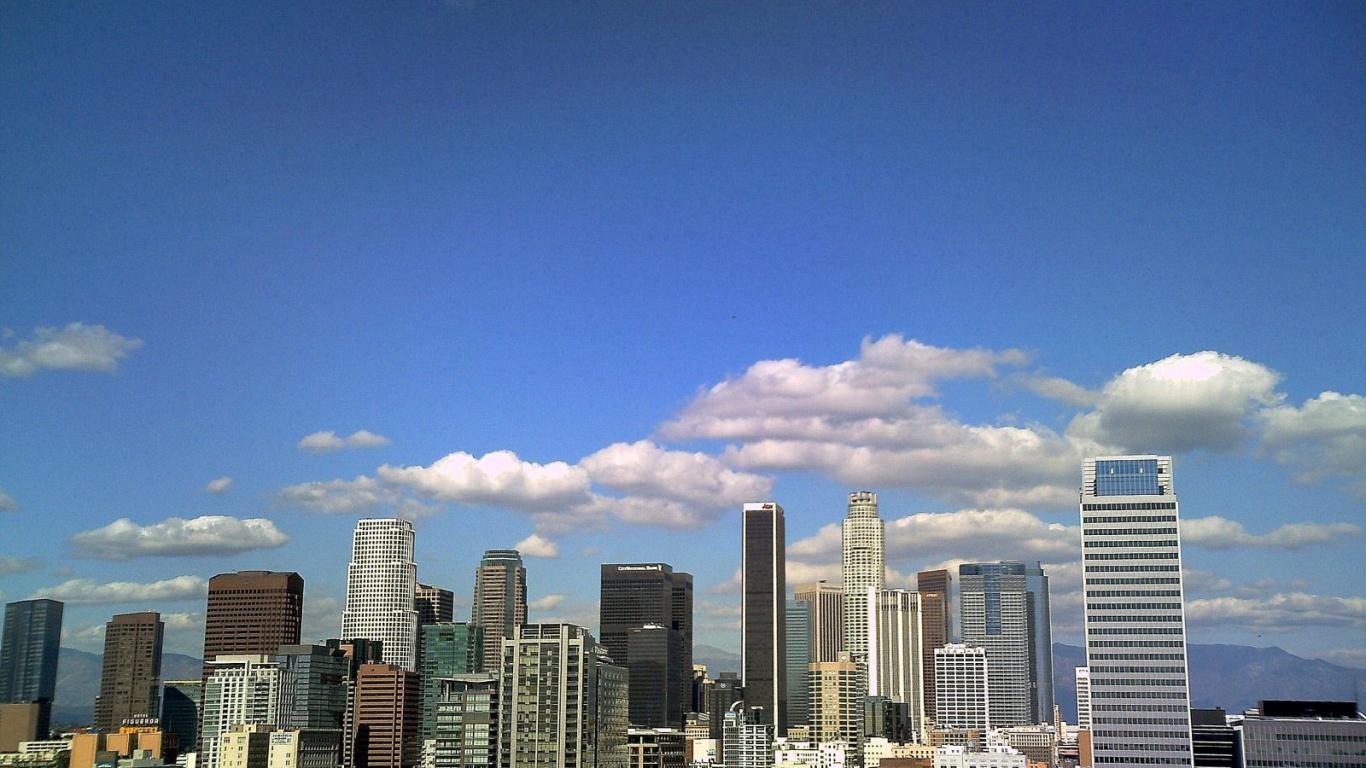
(90,592)
(7,502)
(340,497)
(1221,533)
(645,469)
(547,603)
(972,534)
(1055,388)
(1280,612)
(328,441)
(536,545)
(1325,437)
(1180,403)
(1195,580)
(219,486)
(77,347)
(175,536)
(322,616)
(10,565)
(498,479)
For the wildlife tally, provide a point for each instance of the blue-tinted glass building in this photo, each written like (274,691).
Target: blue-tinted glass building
(29,646)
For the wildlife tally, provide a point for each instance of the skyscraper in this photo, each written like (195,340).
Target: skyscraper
(499,600)
(1040,644)
(252,612)
(961,682)
(748,739)
(798,662)
(313,687)
(388,717)
(563,700)
(826,605)
(894,649)
(448,649)
(936,630)
(1083,698)
(634,595)
(466,730)
(837,693)
(357,651)
(434,605)
(1135,615)
(181,704)
(994,608)
(763,643)
(28,655)
(380,583)
(862,566)
(241,690)
(130,682)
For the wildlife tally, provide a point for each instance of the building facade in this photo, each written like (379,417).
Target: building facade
(1040,644)
(252,612)
(130,676)
(1135,612)
(182,703)
(963,691)
(825,603)
(748,738)
(837,693)
(763,643)
(862,567)
(936,626)
(434,605)
(466,724)
(241,690)
(448,649)
(894,649)
(636,595)
(1083,699)
(1322,734)
(380,584)
(798,619)
(388,717)
(313,687)
(994,609)
(29,647)
(562,701)
(499,600)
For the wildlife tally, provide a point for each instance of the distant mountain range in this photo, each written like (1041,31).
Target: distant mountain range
(1234,677)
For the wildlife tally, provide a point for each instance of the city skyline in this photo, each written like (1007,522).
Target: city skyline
(534,306)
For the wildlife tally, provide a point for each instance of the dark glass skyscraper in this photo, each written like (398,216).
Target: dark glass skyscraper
(28,654)
(798,662)
(130,680)
(763,642)
(313,686)
(636,595)
(448,649)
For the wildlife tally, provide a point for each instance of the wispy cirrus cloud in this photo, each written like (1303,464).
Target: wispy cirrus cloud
(76,347)
(219,486)
(7,502)
(176,536)
(329,441)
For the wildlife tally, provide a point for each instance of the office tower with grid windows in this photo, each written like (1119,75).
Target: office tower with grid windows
(434,605)
(798,662)
(894,650)
(763,641)
(252,612)
(1083,699)
(448,649)
(837,694)
(466,731)
(994,608)
(1135,614)
(28,656)
(499,600)
(861,567)
(638,595)
(380,583)
(313,687)
(388,717)
(241,690)
(936,626)
(1040,644)
(960,679)
(130,678)
(825,604)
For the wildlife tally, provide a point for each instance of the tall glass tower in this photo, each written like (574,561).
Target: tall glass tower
(1135,615)
(499,601)
(862,568)
(380,583)
(763,629)
(28,655)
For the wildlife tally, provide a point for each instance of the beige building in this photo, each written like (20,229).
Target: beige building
(19,722)
(837,702)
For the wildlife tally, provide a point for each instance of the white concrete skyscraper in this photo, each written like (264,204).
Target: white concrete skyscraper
(1083,698)
(861,567)
(895,649)
(380,583)
(1135,615)
(960,683)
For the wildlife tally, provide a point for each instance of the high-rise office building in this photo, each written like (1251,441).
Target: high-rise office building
(448,649)
(936,626)
(763,642)
(798,662)
(894,649)
(563,701)
(837,695)
(466,730)
(29,648)
(748,738)
(499,600)
(635,595)
(252,612)
(434,605)
(182,703)
(861,567)
(130,683)
(961,683)
(994,608)
(240,690)
(388,717)
(313,687)
(1040,644)
(380,584)
(1135,615)
(1322,734)
(356,652)
(825,603)
(1215,743)
(721,695)
(1083,699)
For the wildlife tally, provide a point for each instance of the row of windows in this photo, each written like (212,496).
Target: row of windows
(1131,556)
(1140,708)
(1135,631)
(1131,568)
(1131,543)
(1133,619)
(1121,682)
(1133,606)
(1138,644)
(1139,720)
(1138,656)
(1130,507)
(1141,734)
(1130,531)
(1140,581)
(1138,695)
(1165,670)
(1134,593)
(1142,760)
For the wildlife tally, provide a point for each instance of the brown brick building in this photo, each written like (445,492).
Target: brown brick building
(388,717)
(252,612)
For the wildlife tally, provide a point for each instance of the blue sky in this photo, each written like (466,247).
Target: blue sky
(986,240)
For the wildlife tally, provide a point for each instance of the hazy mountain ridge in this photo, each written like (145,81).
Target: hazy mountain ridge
(78,682)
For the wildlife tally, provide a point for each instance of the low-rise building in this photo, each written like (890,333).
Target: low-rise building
(994,757)
(1327,734)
